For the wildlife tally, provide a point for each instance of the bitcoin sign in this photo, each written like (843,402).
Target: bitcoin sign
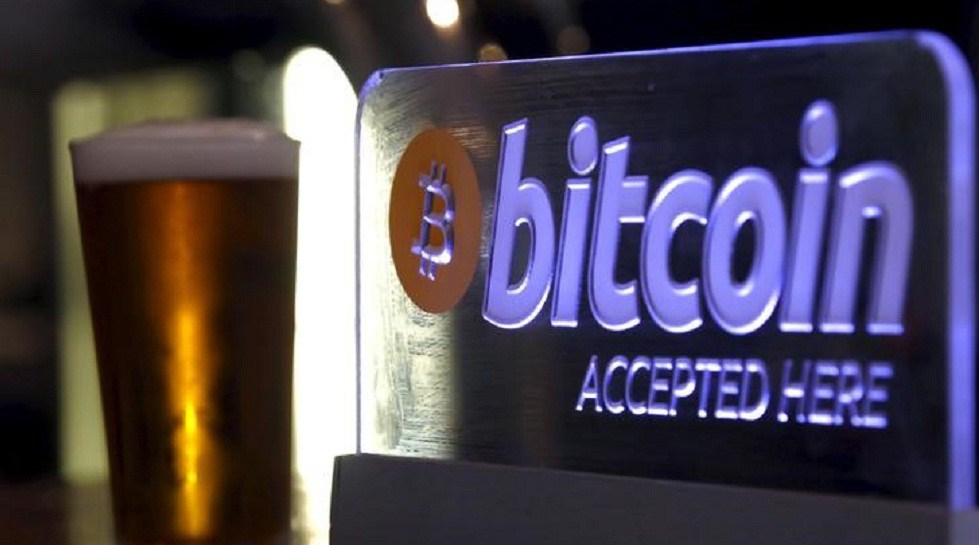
(434,221)
(745,265)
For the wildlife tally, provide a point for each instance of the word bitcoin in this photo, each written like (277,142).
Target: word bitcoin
(434,185)
(786,258)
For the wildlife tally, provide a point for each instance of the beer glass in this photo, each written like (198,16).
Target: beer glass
(189,237)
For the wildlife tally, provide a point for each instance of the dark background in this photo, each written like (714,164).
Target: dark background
(46,43)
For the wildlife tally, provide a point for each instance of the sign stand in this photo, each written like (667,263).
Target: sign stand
(381,499)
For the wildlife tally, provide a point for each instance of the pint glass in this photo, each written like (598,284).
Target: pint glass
(189,236)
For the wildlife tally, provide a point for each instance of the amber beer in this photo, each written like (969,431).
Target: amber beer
(189,236)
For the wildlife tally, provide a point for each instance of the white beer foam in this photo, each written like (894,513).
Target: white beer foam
(189,150)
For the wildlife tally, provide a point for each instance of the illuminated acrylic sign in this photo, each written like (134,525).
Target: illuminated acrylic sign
(747,264)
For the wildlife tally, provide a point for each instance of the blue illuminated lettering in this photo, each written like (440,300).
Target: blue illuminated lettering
(877,376)
(621,199)
(705,367)
(818,141)
(519,202)
(660,384)
(849,394)
(574,229)
(793,391)
(614,406)
(821,392)
(680,389)
(683,197)
(582,157)
(589,388)
(754,371)
(742,307)
(833,393)
(728,386)
(785,267)
(874,190)
(641,363)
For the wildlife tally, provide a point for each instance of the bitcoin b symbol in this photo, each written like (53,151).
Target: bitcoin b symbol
(435,221)
(431,257)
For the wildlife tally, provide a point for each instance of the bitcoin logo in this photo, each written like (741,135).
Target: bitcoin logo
(431,256)
(435,221)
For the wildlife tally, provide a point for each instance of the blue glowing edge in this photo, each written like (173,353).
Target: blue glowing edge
(960,98)
(961,269)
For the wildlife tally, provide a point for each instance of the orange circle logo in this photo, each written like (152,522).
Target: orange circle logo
(435,219)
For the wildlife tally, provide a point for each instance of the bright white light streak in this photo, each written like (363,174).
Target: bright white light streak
(442,13)
(319,106)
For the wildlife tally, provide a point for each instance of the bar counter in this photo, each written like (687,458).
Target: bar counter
(54,513)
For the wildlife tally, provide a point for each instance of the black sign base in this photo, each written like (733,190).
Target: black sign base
(380,499)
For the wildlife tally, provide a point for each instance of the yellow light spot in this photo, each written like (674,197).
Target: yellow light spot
(191,439)
(442,13)
(190,420)
(188,438)
(491,52)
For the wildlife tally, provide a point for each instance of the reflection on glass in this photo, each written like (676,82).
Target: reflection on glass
(191,368)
